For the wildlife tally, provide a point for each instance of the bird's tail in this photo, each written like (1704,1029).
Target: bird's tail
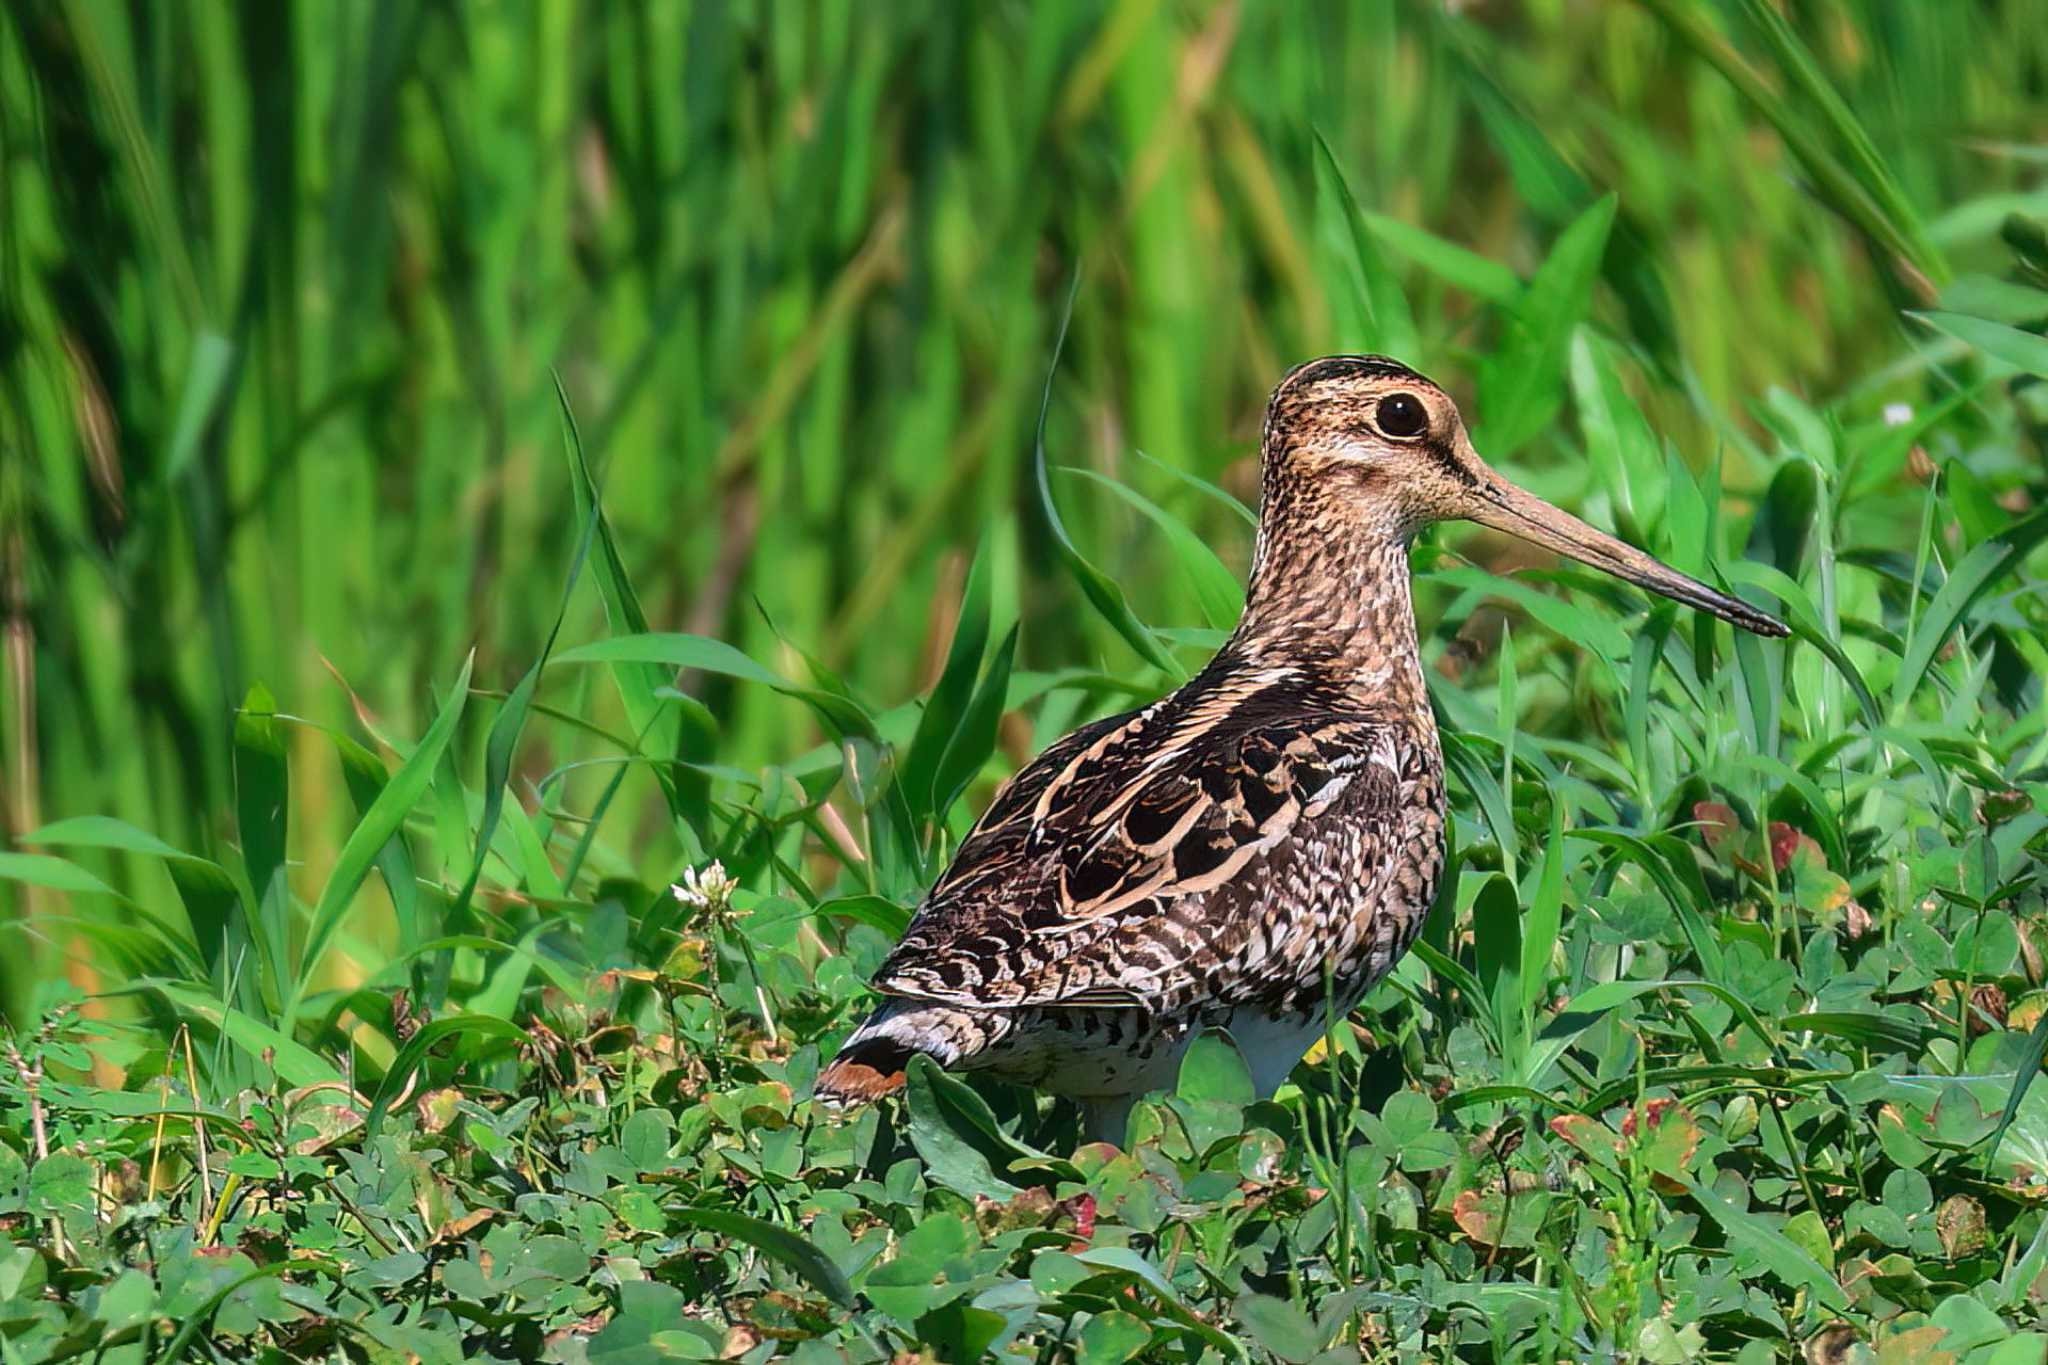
(873,1061)
(865,1070)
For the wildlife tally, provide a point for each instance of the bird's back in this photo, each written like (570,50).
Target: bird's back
(1229,851)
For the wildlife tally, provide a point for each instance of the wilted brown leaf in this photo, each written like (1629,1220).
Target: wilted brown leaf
(1959,1223)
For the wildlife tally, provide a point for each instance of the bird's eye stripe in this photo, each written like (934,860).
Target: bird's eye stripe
(1450,463)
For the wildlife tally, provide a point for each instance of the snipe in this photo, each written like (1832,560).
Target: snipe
(1224,854)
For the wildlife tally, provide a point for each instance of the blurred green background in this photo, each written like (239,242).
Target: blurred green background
(284,290)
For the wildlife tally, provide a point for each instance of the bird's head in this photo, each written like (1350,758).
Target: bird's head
(1368,443)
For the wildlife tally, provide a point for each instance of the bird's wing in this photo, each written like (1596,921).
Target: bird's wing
(1126,865)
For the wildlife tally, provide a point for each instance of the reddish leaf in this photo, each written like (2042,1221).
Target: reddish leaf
(1718,825)
(1665,1133)
(1493,1220)
(1080,1208)
(1471,1213)
(1589,1135)
(1789,846)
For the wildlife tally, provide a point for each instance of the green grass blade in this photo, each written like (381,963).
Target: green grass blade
(1449,262)
(1545,919)
(945,709)
(1217,590)
(413,1056)
(1219,496)
(365,777)
(206,390)
(674,651)
(2026,352)
(294,1062)
(368,839)
(975,739)
(2029,1071)
(263,813)
(1497,945)
(507,727)
(1372,312)
(1100,590)
(213,902)
(1521,381)
(1865,163)
(1966,583)
(641,686)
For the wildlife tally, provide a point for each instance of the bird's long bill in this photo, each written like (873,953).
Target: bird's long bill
(1504,507)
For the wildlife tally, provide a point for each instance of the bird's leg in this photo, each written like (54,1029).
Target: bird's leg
(1107,1118)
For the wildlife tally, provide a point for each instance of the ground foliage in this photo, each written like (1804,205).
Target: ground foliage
(386,1036)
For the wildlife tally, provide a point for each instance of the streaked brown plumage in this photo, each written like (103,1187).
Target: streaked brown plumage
(1268,835)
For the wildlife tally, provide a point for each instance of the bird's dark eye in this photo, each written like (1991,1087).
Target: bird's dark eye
(1402,416)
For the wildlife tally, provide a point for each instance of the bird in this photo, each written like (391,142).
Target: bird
(1258,848)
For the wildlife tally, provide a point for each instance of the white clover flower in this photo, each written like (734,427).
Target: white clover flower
(1897,414)
(708,888)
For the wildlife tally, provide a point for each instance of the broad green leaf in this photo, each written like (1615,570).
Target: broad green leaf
(192,1324)
(1214,1069)
(60,1183)
(955,1154)
(780,1243)
(1129,1262)
(1281,1327)
(1747,1232)
(1111,1338)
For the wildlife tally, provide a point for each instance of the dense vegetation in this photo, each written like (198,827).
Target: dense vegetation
(467,468)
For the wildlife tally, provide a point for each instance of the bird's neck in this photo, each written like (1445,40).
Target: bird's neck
(1327,597)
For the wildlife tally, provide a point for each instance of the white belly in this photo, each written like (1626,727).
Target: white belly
(1272,1046)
